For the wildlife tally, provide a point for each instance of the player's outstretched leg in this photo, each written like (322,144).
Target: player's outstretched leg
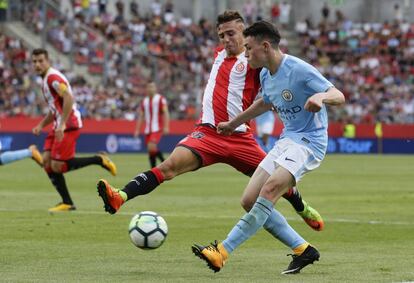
(111,197)
(36,155)
(310,215)
(141,184)
(214,254)
(108,164)
(300,261)
(12,156)
(101,159)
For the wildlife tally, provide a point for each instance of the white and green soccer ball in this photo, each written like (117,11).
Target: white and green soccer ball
(148,230)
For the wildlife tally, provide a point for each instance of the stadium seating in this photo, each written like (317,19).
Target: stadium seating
(371,63)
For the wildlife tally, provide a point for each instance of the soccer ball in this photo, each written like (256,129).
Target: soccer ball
(148,230)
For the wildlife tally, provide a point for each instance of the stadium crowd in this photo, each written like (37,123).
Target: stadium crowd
(176,53)
(372,63)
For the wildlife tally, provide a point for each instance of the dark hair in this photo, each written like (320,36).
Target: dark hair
(263,30)
(228,16)
(40,51)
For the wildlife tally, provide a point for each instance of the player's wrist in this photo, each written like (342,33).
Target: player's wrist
(323,95)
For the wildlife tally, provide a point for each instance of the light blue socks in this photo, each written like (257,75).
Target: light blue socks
(262,214)
(277,225)
(248,224)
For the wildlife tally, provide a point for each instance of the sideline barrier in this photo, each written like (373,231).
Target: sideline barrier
(127,144)
(116,136)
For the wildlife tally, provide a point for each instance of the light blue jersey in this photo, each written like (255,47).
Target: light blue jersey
(288,90)
(264,118)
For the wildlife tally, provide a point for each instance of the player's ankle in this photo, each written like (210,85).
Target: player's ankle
(123,195)
(301,248)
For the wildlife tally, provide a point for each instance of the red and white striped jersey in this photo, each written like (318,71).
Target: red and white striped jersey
(152,108)
(51,82)
(232,87)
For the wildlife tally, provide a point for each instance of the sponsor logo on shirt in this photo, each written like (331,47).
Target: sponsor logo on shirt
(288,113)
(287,95)
(240,67)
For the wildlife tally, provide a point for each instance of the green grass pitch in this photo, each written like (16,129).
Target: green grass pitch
(366,201)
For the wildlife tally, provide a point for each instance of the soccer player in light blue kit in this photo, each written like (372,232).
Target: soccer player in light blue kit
(298,93)
(7,157)
(264,129)
(13,156)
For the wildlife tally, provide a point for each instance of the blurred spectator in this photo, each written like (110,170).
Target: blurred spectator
(156,8)
(398,13)
(249,11)
(325,12)
(275,12)
(349,130)
(339,16)
(285,13)
(168,11)
(260,11)
(102,6)
(134,8)
(3,10)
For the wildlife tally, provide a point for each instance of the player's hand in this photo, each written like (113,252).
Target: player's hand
(36,130)
(60,132)
(136,134)
(314,103)
(166,131)
(225,128)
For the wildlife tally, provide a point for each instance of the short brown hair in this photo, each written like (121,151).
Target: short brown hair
(228,16)
(40,51)
(263,30)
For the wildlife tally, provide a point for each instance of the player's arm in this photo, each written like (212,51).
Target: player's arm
(48,119)
(140,118)
(68,101)
(332,96)
(166,117)
(257,108)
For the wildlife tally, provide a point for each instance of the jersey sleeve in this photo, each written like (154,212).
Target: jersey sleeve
(56,83)
(314,79)
(163,103)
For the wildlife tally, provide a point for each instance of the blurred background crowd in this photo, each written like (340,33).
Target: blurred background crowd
(371,62)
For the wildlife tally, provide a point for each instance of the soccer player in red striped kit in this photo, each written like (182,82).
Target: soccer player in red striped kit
(232,87)
(154,111)
(60,144)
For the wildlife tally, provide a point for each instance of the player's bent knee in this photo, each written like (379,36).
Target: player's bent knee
(56,167)
(46,164)
(273,189)
(46,160)
(167,169)
(247,203)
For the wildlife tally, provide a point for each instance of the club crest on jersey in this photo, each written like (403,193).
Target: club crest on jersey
(287,95)
(240,67)
(197,135)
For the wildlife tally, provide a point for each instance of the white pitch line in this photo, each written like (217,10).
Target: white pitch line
(296,219)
